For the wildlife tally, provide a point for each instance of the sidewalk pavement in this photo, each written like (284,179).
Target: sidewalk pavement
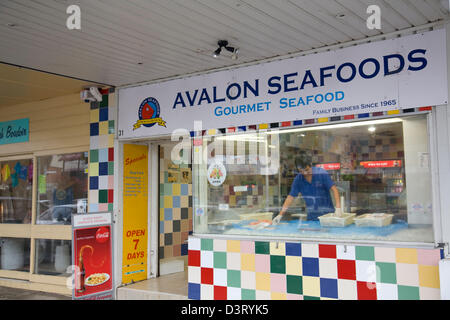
(7,293)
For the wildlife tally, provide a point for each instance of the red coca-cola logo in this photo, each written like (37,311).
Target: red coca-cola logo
(102,235)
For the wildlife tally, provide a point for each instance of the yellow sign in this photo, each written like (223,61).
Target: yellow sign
(139,123)
(135,213)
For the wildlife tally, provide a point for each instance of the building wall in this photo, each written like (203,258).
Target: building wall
(55,124)
(222,269)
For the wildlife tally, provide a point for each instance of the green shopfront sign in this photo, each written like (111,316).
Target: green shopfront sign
(14,131)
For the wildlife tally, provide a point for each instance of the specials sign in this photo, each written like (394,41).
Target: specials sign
(404,72)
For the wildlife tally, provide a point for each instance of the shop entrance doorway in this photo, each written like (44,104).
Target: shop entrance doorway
(175,209)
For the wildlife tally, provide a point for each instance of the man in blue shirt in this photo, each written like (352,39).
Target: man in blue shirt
(314,184)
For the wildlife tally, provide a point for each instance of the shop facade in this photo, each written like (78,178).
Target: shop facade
(44,179)
(372,118)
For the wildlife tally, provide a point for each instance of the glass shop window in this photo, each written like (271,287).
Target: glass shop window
(62,187)
(53,257)
(15,254)
(367,180)
(16,191)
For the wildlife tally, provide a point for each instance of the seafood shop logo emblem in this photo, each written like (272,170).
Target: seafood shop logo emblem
(217,174)
(149,114)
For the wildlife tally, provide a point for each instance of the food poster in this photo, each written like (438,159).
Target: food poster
(135,213)
(92,258)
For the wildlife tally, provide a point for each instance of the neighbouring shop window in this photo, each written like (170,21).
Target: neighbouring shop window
(53,257)
(15,254)
(378,171)
(61,187)
(16,191)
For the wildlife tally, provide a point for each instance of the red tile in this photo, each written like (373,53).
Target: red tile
(220,293)
(194,258)
(207,275)
(111,154)
(286,124)
(346,269)
(110,196)
(366,290)
(349,117)
(327,251)
(425,108)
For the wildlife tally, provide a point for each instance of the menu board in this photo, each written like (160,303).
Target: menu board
(135,213)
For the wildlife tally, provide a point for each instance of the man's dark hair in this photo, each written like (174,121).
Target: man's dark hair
(303,160)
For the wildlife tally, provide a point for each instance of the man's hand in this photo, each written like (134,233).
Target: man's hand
(277,220)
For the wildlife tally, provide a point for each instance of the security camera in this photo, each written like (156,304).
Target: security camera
(97,95)
(91,95)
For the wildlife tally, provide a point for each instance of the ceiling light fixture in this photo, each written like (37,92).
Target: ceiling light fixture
(224,44)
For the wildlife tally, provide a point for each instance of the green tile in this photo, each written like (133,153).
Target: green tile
(365,253)
(111,126)
(234,278)
(93,156)
(294,284)
(110,206)
(104,102)
(103,196)
(111,168)
(167,189)
(220,260)
(277,264)
(310,298)
(408,293)
(386,272)
(247,294)
(262,247)
(206,244)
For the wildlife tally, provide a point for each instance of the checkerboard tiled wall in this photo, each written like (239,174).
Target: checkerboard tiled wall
(101,153)
(175,203)
(233,269)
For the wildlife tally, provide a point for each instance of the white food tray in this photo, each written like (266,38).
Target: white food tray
(374,220)
(332,220)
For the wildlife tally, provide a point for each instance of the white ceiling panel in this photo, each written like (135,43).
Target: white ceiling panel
(127,42)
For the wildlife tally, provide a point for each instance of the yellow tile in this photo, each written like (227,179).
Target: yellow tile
(110,140)
(248,262)
(393,112)
(294,265)
(278,296)
(168,227)
(322,120)
(262,281)
(211,132)
(161,214)
(278,248)
(311,286)
(429,276)
(264,126)
(406,255)
(103,127)
(233,246)
(176,189)
(168,202)
(93,169)
(94,115)
(176,213)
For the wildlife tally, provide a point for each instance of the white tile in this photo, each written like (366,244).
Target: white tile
(262,295)
(345,252)
(310,250)
(194,274)
(206,292)
(366,271)
(194,243)
(387,291)
(248,280)
(220,277)
(103,182)
(233,293)
(233,260)
(207,259)
(328,268)
(347,289)
(220,245)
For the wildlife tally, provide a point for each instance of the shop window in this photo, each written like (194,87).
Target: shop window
(53,257)
(379,170)
(61,188)
(15,254)
(16,191)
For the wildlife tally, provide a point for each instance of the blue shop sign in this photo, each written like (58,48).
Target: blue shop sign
(14,131)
